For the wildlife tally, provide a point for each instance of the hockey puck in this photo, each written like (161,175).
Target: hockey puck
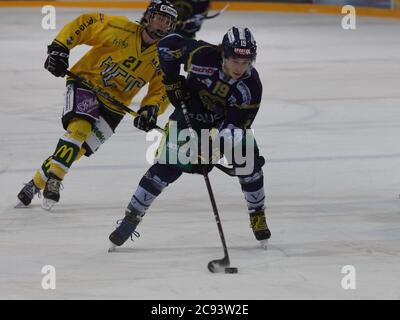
(231,270)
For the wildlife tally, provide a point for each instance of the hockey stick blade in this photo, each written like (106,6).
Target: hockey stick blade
(221,266)
(218,13)
(217,266)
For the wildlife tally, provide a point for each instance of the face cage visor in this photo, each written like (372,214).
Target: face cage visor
(158,32)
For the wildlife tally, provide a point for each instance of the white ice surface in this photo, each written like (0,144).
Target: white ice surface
(329,127)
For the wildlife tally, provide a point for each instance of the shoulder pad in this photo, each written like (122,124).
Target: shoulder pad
(248,92)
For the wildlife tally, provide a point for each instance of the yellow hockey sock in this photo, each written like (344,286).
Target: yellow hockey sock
(69,147)
(38,180)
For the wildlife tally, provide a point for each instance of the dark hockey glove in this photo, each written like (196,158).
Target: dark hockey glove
(192,25)
(177,91)
(57,60)
(146,118)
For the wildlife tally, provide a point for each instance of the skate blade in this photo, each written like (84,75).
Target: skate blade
(20,205)
(112,247)
(48,204)
(264,244)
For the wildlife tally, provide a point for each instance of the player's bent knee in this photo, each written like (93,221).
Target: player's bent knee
(167,173)
(79,129)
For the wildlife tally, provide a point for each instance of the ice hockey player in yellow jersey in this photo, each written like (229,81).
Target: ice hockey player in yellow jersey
(122,60)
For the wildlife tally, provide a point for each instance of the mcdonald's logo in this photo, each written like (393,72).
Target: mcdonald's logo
(63,151)
(47,162)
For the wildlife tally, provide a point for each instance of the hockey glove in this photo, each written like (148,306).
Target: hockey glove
(192,25)
(57,60)
(177,91)
(146,118)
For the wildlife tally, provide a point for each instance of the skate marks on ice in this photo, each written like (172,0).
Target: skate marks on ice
(195,258)
(65,209)
(89,167)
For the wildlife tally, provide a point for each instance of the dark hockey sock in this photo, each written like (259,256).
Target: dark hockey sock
(253,190)
(151,185)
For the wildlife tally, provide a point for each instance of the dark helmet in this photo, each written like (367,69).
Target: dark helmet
(184,9)
(161,7)
(239,43)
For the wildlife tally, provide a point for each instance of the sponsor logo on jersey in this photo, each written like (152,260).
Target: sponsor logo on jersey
(207,82)
(84,25)
(70,40)
(99,134)
(120,43)
(202,70)
(87,105)
(170,55)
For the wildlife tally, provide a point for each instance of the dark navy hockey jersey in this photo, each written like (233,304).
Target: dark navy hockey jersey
(216,100)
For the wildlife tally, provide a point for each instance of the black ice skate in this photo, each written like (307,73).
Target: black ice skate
(259,225)
(124,230)
(51,193)
(26,194)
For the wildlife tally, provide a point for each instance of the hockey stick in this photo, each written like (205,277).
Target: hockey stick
(218,13)
(223,264)
(207,17)
(101,92)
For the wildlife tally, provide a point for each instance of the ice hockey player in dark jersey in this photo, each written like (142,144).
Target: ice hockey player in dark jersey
(191,14)
(222,90)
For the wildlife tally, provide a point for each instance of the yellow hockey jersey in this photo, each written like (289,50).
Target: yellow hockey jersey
(116,61)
